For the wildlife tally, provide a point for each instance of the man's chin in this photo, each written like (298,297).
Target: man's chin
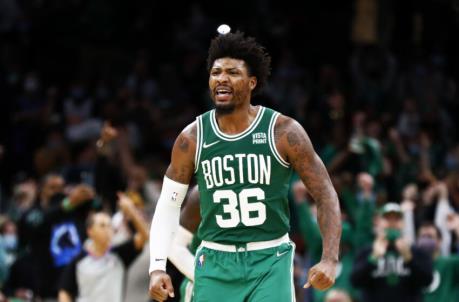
(224,108)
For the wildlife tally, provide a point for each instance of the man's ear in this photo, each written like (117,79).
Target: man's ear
(252,83)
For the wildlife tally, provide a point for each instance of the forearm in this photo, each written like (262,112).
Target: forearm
(180,255)
(139,223)
(409,229)
(304,160)
(126,158)
(441,217)
(329,218)
(165,222)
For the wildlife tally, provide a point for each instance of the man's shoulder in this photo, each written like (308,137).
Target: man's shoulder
(284,121)
(77,260)
(286,126)
(190,131)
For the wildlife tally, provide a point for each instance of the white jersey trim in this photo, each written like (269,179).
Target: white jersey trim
(291,272)
(197,155)
(228,137)
(272,142)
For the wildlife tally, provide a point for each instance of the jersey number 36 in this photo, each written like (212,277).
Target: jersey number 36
(243,214)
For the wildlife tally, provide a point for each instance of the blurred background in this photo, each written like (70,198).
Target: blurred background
(93,94)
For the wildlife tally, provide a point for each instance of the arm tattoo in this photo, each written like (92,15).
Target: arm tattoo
(182,164)
(293,139)
(313,173)
(183,144)
(179,174)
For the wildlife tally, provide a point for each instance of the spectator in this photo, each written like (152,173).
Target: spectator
(405,81)
(445,283)
(391,270)
(51,236)
(352,236)
(116,170)
(8,246)
(78,111)
(24,195)
(97,274)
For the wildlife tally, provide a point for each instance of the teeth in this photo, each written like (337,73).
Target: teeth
(223,91)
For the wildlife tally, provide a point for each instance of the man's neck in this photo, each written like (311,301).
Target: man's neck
(97,250)
(237,121)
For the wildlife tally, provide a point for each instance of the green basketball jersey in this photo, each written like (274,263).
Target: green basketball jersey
(243,181)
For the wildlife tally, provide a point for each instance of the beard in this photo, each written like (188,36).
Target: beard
(224,109)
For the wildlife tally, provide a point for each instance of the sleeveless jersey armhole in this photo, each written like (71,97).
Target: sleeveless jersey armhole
(199,135)
(272,142)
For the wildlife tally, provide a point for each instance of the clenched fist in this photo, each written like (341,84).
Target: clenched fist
(322,275)
(160,286)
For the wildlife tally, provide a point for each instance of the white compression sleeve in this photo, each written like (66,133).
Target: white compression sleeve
(165,222)
(180,255)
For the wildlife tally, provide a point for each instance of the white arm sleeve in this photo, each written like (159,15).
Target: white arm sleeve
(165,222)
(441,215)
(409,230)
(180,255)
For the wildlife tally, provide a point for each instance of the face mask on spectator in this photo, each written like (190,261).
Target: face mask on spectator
(392,234)
(427,244)
(10,241)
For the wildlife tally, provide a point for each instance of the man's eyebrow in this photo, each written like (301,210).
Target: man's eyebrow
(229,68)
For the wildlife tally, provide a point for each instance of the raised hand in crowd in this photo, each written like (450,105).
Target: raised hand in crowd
(108,133)
(409,196)
(452,222)
(80,194)
(133,214)
(404,248)
(380,246)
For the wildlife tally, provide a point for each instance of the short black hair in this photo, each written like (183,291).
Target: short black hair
(90,219)
(238,46)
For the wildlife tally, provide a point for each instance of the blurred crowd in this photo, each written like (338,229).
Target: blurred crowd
(93,94)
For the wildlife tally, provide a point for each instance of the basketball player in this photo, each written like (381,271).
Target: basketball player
(242,156)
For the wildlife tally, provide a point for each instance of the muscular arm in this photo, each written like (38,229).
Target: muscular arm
(182,163)
(166,219)
(295,146)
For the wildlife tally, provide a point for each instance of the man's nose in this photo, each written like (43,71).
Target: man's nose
(222,77)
